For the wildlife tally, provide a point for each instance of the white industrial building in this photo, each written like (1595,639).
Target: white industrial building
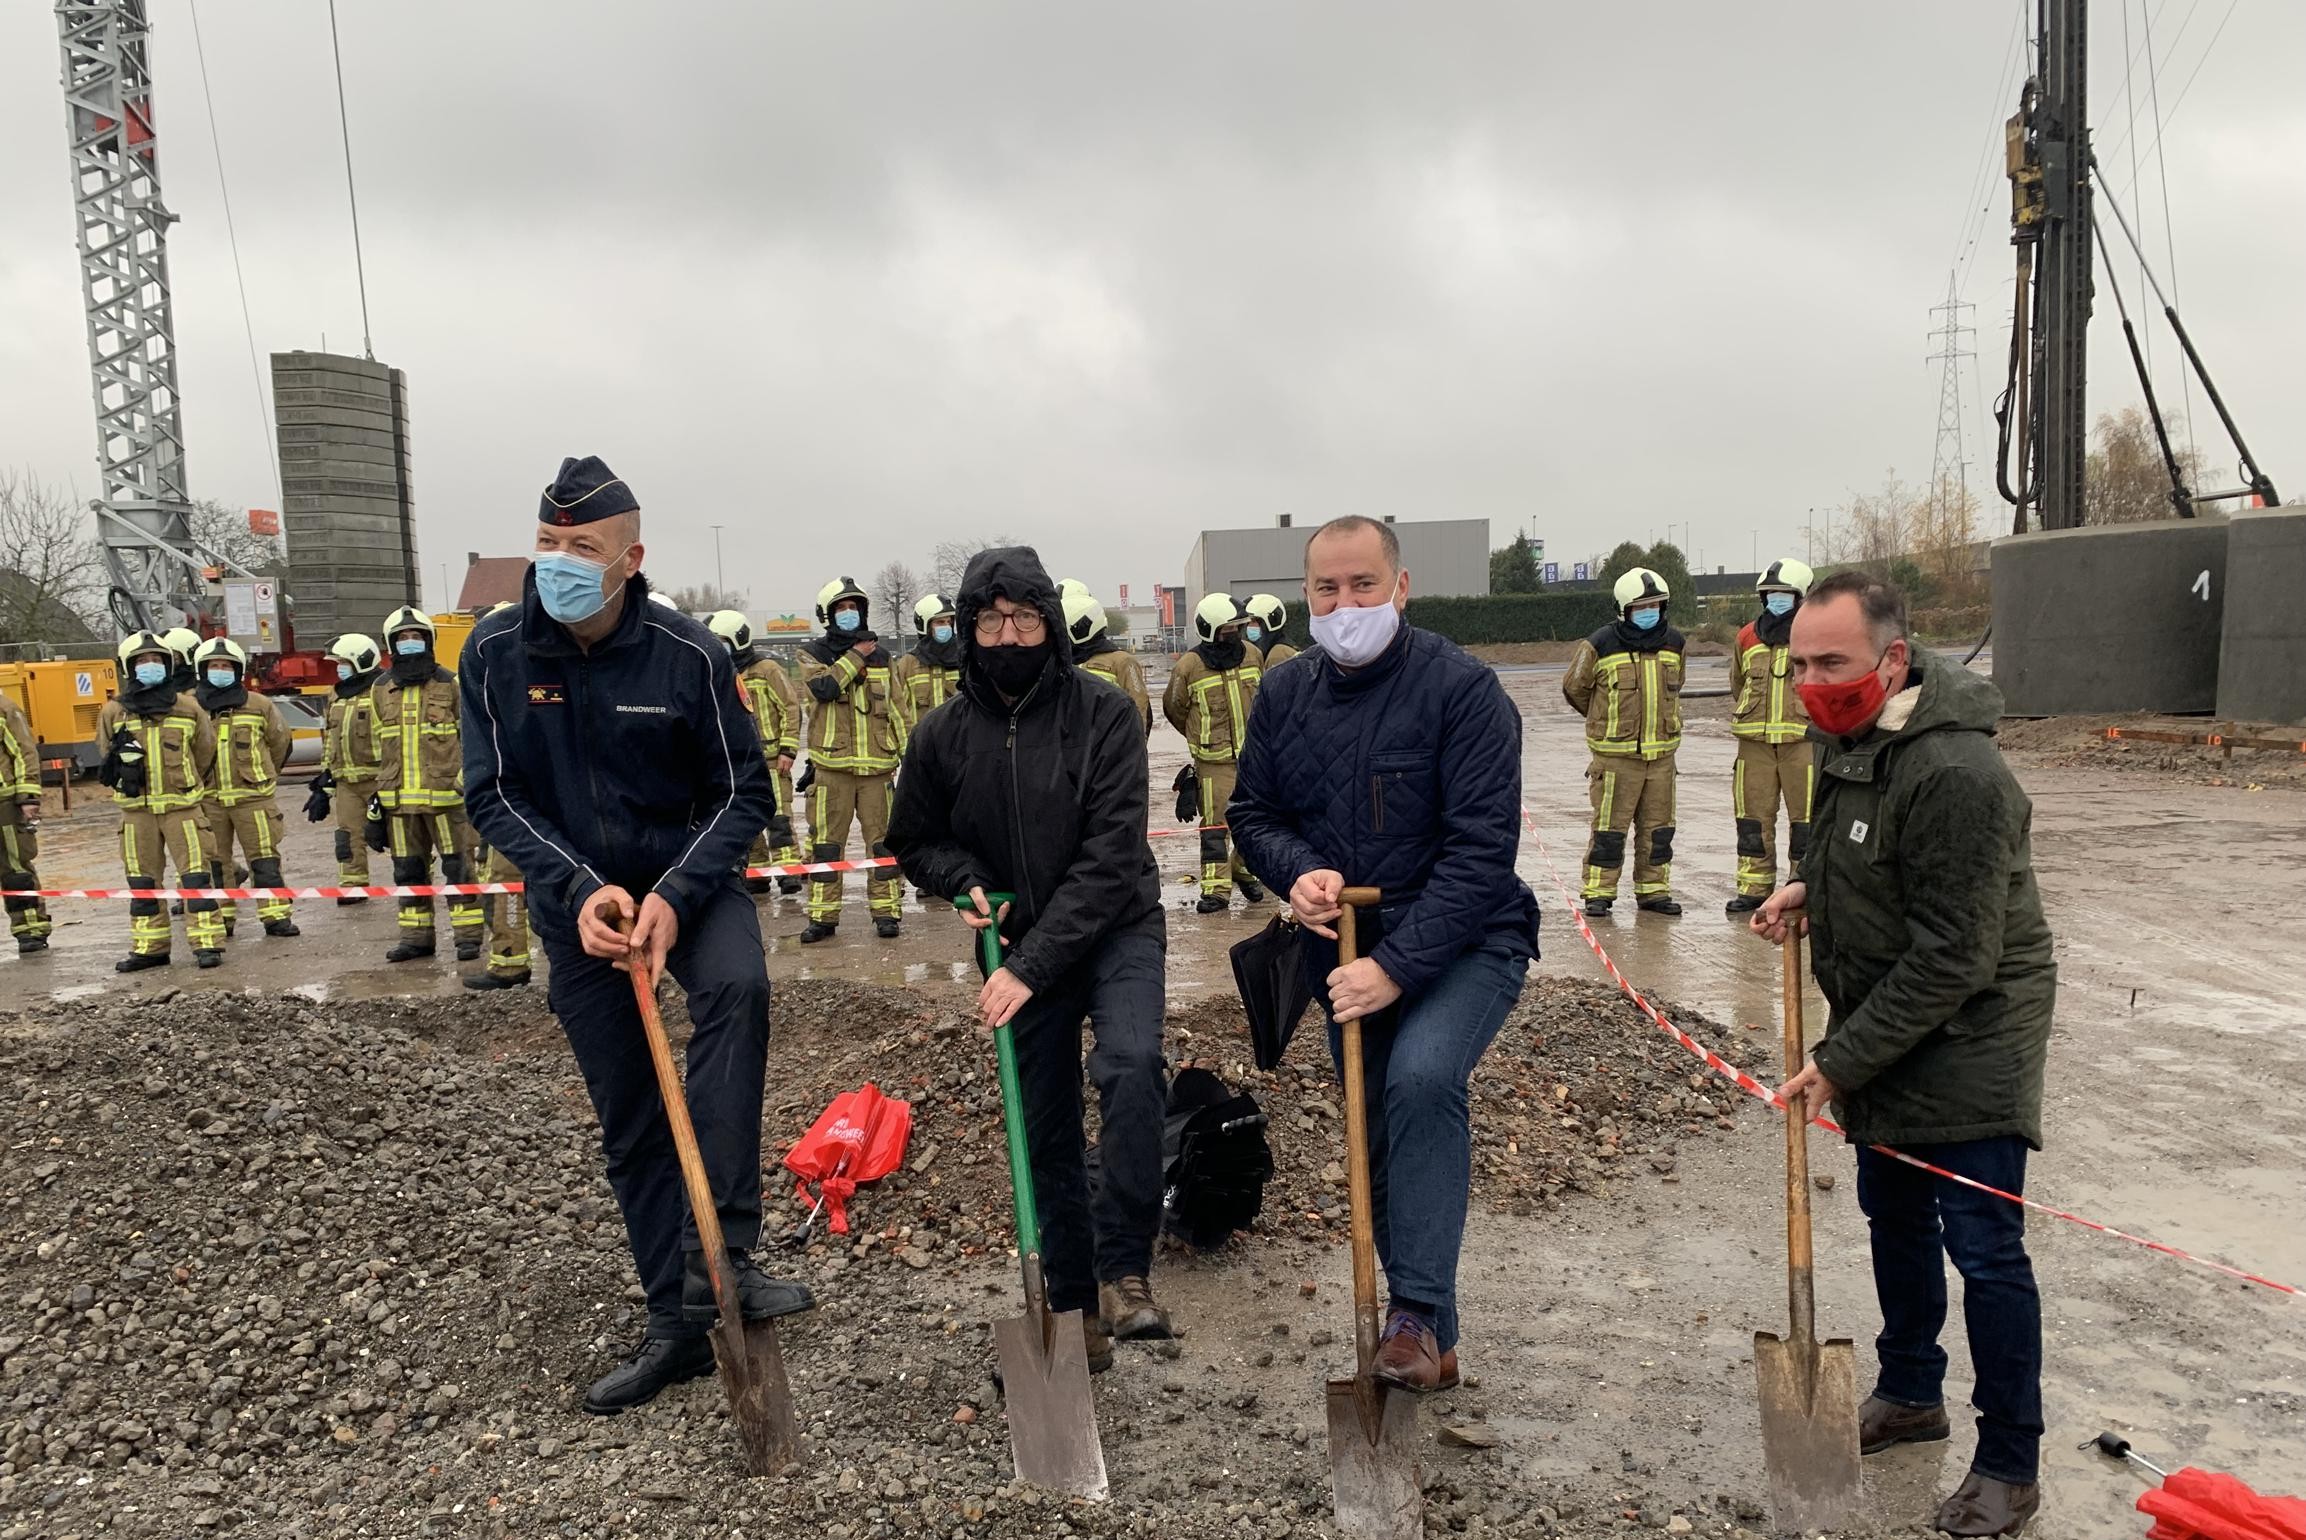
(1445,557)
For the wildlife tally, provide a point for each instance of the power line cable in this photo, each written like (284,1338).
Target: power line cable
(2169,235)
(2129,92)
(232,237)
(344,125)
(1972,224)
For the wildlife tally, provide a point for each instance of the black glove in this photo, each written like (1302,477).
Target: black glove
(316,803)
(807,780)
(372,828)
(1188,786)
(123,769)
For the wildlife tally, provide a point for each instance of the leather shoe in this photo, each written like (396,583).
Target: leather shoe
(1097,1341)
(1130,1311)
(656,1363)
(759,1297)
(1883,1424)
(1408,1356)
(1982,1505)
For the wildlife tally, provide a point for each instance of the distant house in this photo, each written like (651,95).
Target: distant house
(490,581)
(27,615)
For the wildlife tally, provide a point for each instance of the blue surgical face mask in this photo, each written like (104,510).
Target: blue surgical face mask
(343,671)
(847,620)
(941,632)
(1779,603)
(569,587)
(1646,619)
(1253,633)
(150,674)
(222,678)
(408,646)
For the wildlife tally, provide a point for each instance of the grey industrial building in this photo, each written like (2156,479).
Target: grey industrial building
(1445,557)
(348,507)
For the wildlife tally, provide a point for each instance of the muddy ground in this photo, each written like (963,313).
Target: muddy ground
(431,1176)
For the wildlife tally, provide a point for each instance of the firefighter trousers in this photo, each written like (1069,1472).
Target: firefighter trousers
(780,844)
(19,853)
(1630,795)
(349,802)
(837,799)
(148,842)
(255,828)
(1221,863)
(1767,774)
(508,955)
(415,839)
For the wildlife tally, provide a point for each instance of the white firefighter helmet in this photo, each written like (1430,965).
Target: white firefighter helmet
(1084,618)
(731,627)
(222,647)
(1639,586)
(409,618)
(1786,575)
(930,607)
(137,644)
(183,641)
(1213,614)
(1268,611)
(355,649)
(834,592)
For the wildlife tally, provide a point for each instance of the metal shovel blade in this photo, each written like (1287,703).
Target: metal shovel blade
(1052,1417)
(753,1374)
(1809,1406)
(1373,1461)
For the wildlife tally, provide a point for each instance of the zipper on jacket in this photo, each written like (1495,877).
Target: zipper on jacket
(592,774)
(1377,804)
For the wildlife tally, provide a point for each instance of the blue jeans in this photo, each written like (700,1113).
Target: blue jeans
(1918,1220)
(1416,1060)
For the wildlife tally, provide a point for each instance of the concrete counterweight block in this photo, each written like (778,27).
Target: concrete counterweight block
(2262,652)
(2118,618)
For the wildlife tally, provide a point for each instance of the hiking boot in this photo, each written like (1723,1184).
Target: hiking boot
(497,980)
(1657,903)
(348,902)
(208,957)
(27,945)
(819,930)
(1212,903)
(137,962)
(410,951)
(281,928)
(1884,1423)
(1407,1355)
(1096,1341)
(1982,1505)
(1598,908)
(656,1363)
(1129,1310)
(886,928)
(1251,892)
(759,1297)
(468,951)
(788,886)
(1745,903)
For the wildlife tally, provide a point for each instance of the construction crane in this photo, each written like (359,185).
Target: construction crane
(159,574)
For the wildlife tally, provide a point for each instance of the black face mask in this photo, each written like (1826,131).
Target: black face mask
(414,669)
(1013,670)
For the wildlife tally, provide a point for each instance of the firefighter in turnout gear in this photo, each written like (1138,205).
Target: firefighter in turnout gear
(1210,692)
(930,674)
(1267,615)
(1095,652)
(252,743)
(351,759)
(1776,761)
(19,828)
(508,945)
(857,729)
(1626,680)
(160,751)
(182,642)
(421,785)
(775,708)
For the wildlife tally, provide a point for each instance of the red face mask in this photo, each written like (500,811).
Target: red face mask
(1841,709)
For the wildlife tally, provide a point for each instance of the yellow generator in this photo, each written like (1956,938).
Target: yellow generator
(450,628)
(62,699)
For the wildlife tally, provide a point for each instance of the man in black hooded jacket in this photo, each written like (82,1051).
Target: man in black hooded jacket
(1033,782)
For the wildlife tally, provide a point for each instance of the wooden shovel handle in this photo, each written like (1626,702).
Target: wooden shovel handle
(1363,1230)
(1801,1297)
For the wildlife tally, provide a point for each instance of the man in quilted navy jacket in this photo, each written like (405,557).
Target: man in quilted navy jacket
(1394,762)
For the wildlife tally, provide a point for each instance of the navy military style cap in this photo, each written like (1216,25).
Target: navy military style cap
(585,490)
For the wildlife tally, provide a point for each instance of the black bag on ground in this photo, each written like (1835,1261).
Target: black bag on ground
(1215,1162)
(1188,789)
(1269,970)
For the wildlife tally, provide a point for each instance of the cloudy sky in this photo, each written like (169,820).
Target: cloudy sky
(848,279)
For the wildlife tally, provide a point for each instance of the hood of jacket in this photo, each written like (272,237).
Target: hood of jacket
(1223,655)
(1951,697)
(1014,573)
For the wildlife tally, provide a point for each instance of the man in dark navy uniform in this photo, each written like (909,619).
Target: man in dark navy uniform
(607,754)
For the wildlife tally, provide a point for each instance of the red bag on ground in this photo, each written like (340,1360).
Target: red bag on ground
(2195,1504)
(859,1138)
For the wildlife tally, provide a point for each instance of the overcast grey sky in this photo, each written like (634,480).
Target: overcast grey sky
(848,278)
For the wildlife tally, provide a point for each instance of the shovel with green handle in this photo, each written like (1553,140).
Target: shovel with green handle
(1044,1357)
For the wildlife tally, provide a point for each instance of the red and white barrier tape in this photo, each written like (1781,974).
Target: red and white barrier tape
(1752,1087)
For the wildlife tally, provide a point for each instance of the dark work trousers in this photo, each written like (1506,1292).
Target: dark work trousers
(1417,1057)
(1918,1220)
(718,960)
(1088,1238)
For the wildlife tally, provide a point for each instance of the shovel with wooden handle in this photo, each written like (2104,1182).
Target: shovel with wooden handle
(1372,1425)
(752,1369)
(1808,1388)
(1044,1356)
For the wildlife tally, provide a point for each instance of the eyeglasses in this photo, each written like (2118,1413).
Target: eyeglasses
(1028,623)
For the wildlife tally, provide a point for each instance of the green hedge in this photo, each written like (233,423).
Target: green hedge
(1474,619)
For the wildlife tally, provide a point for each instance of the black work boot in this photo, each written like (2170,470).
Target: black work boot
(27,945)
(208,957)
(1657,903)
(819,930)
(1213,903)
(1882,1424)
(410,950)
(1251,891)
(137,962)
(1984,1505)
(281,928)
(759,884)
(886,928)
(1745,903)
(759,1296)
(468,951)
(656,1363)
(788,886)
(1598,908)
(497,980)
(347,903)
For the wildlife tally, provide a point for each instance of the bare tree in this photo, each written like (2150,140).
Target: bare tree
(704,598)
(949,559)
(226,532)
(895,587)
(51,570)
(2125,480)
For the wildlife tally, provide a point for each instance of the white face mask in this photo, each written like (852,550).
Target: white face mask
(1356,635)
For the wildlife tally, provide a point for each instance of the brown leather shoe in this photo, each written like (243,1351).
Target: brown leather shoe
(1408,1356)
(1129,1309)
(1097,1339)
(1882,1424)
(1982,1505)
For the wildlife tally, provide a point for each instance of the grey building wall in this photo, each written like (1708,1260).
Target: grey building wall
(1445,557)
(348,511)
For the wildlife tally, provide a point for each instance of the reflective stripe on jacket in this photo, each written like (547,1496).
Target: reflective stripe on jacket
(179,753)
(252,743)
(775,703)
(861,729)
(19,755)
(348,746)
(1763,704)
(416,730)
(1631,699)
(1210,707)
(1122,671)
(925,685)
